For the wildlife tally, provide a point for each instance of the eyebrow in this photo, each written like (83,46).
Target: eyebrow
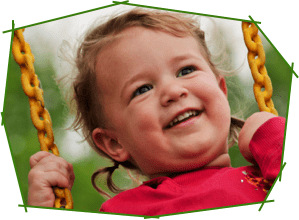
(131,80)
(184,57)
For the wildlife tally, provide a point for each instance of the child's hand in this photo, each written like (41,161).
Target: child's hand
(248,130)
(47,171)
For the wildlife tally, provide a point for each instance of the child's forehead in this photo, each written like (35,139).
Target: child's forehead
(140,50)
(139,37)
(144,34)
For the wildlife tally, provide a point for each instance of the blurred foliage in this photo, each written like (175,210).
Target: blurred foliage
(22,136)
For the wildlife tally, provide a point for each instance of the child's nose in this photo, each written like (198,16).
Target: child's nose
(172,93)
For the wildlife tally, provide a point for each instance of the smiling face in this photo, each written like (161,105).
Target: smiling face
(167,111)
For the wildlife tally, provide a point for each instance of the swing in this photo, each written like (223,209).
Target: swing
(39,114)
(258,69)
(41,118)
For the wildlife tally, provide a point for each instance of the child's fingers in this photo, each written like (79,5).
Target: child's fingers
(41,180)
(40,191)
(56,164)
(44,162)
(47,171)
(61,166)
(35,158)
(59,180)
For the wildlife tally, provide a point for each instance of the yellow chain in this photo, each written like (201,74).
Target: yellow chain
(39,114)
(258,69)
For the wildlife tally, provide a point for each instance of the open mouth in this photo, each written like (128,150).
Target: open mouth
(183,117)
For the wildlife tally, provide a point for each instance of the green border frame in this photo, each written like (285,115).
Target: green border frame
(282,198)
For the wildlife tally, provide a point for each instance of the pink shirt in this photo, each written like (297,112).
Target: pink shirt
(209,187)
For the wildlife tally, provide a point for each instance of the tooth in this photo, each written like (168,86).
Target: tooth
(186,115)
(183,116)
(180,118)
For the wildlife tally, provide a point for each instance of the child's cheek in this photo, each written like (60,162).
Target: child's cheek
(146,119)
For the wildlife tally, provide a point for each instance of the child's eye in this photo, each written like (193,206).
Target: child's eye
(141,90)
(186,70)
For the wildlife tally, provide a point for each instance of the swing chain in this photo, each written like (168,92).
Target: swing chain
(256,60)
(39,114)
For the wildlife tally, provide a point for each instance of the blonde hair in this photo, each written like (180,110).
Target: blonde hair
(87,96)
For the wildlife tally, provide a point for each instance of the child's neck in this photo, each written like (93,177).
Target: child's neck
(223,160)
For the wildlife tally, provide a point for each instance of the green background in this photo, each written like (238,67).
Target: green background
(279,29)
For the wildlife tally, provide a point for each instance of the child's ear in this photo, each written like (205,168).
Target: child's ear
(106,141)
(222,85)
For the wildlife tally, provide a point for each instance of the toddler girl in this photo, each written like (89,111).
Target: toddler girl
(149,97)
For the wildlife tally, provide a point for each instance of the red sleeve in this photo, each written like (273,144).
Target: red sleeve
(266,147)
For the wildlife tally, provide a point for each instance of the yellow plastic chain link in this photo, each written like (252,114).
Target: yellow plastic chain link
(39,114)
(256,60)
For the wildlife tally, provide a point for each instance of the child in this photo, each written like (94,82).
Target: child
(149,97)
